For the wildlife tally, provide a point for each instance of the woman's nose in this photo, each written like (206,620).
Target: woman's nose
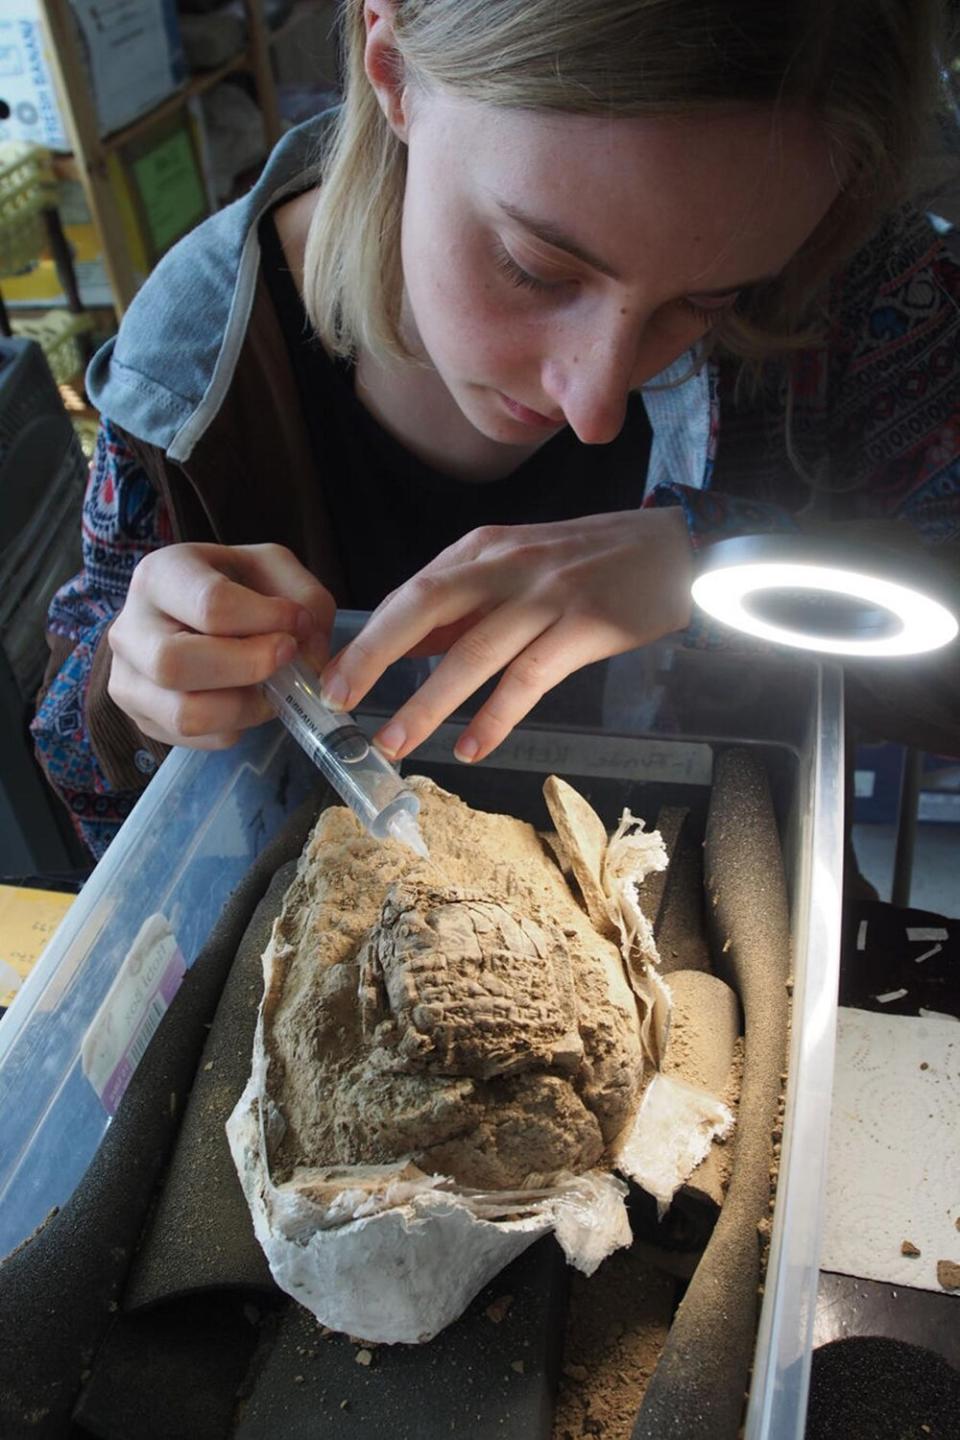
(591,380)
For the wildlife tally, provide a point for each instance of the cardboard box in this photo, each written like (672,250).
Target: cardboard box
(133,56)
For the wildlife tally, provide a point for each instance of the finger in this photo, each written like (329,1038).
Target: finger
(180,660)
(212,719)
(423,605)
(199,742)
(205,719)
(275,570)
(558,651)
(481,652)
(188,584)
(439,641)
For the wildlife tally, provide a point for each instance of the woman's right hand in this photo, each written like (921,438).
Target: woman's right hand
(202,626)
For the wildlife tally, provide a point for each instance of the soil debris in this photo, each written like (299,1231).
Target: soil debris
(497,1311)
(948,1274)
(608,1361)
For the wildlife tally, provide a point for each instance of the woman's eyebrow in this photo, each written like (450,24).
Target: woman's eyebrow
(551,235)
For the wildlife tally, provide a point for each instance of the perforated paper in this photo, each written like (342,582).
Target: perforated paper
(894,1160)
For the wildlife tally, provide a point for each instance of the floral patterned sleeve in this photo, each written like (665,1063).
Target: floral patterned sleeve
(94,756)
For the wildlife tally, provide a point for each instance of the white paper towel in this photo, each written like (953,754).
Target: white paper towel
(894,1158)
(675,1127)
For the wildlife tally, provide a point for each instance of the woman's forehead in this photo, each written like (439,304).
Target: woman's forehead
(698,193)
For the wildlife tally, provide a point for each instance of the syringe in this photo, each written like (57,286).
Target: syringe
(338,747)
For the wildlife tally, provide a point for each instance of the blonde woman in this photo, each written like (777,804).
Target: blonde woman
(561,290)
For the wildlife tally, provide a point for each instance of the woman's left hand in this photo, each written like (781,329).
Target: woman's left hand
(536,601)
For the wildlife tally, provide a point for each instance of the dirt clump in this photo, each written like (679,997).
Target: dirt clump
(617,1326)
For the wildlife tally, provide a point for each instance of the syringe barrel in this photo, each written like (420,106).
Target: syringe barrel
(361,776)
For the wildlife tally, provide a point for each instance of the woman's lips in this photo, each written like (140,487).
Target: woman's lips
(526,416)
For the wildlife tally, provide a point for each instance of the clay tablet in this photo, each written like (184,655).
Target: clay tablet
(462,1013)
(474,987)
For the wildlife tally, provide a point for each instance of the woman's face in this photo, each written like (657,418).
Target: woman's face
(554,263)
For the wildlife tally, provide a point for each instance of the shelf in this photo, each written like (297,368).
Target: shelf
(300,11)
(197,85)
(88,163)
(65,165)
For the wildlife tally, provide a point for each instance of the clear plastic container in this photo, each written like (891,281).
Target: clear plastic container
(184,848)
(636,728)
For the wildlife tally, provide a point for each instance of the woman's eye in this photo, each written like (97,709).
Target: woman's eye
(519,277)
(709,311)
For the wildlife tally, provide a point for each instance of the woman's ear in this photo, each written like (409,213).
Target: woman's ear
(384,65)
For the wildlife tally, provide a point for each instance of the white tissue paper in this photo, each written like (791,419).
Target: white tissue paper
(894,1160)
(675,1127)
(390,1254)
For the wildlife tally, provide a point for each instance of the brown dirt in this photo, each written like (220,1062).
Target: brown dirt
(705,1049)
(616,1328)
(948,1274)
(724,1148)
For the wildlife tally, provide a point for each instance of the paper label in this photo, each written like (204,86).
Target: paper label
(131,61)
(135,1004)
(170,189)
(682,762)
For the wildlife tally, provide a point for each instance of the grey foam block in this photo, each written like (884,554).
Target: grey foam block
(201,1234)
(172,1373)
(697,1391)
(59,1290)
(873,1388)
(479,1378)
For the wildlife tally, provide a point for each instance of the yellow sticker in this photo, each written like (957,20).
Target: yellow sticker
(28,918)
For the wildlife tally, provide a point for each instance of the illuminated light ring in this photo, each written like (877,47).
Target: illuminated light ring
(925,624)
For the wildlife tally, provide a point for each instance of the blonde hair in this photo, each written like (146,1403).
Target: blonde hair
(867,67)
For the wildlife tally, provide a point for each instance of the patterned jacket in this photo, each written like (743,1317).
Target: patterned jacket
(194,394)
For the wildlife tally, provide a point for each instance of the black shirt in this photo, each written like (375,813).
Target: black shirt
(391,512)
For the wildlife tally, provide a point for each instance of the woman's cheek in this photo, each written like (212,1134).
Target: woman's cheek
(477,318)
(669,335)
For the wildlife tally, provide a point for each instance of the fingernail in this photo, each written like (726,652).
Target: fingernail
(335,692)
(306,625)
(391,738)
(466,749)
(286,649)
